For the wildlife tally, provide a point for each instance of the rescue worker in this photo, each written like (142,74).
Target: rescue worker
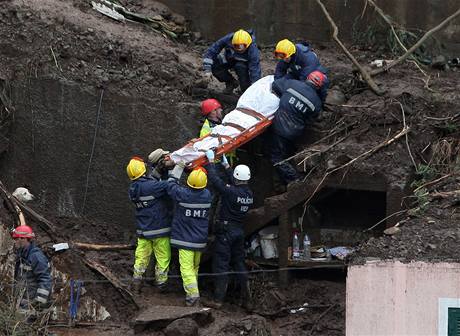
(237,199)
(299,106)
(240,54)
(160,164)
(211,109)
(297,61)
(149,196)
(32,273)
(190,227)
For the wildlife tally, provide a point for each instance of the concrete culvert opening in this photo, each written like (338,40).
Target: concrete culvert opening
(340,216)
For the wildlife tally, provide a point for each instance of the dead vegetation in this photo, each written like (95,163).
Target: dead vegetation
(389,132)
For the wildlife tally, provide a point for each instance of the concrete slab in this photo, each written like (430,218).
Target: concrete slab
(158,317)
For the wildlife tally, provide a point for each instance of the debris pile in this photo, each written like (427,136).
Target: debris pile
(410,136)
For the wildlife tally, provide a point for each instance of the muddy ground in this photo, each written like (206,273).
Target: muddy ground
(68,41)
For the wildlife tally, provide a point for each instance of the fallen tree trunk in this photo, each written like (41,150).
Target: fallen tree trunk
(49,228)
(106,273)
(45,224)
(102,247)
(12,206)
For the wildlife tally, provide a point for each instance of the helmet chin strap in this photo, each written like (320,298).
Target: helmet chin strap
(239,182)
(216,120)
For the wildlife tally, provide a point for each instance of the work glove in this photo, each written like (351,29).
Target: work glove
(210,155)
(224,161)
(176,172)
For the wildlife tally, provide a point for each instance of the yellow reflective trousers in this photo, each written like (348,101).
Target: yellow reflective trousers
(162,251)
(189,264)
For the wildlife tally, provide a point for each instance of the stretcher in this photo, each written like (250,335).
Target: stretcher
(253,114)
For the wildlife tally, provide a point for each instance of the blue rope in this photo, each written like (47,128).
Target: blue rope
(74,299)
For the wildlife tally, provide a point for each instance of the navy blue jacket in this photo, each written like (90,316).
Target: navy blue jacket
(299,105)
(33,271)
(236,199)
(150,198)
(251,55)
(189,228)
(303,62)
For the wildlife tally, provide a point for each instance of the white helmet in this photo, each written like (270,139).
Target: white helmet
(242,173)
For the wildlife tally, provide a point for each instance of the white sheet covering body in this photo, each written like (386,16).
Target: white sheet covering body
(257,97)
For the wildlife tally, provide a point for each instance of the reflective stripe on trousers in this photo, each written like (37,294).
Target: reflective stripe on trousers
(189,264)
(162,251)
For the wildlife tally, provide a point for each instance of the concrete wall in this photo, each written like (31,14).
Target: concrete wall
(392,298)
(274,19)
(52,138)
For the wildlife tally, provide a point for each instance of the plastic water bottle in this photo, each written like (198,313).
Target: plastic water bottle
(306,248)
(295,246)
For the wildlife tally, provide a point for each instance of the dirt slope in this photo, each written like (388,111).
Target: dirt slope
(68,41)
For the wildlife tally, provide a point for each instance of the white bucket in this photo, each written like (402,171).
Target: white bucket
(269,241)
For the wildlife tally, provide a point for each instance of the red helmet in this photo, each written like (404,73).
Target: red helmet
(23,231)
(317,78)
(209,105)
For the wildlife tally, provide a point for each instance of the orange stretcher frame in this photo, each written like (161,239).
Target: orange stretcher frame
(233,143)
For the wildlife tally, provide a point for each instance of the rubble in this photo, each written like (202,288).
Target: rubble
(69,42)
(252,325)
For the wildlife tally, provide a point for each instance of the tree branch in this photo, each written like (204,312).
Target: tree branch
(335,34)
(416,45)
(388,21)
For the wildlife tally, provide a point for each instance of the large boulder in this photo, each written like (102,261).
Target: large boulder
(182,327)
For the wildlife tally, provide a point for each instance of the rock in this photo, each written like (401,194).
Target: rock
(253,325)
(335,97)
(196,36)
(166,75)
(182,327)
(158,317)
(392,230)
(149,78)
(161,9)
(439,62)
(178,19)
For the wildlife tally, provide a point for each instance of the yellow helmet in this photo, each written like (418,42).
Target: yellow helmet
(241,37)
(197,179)
(284,49)
(135,169)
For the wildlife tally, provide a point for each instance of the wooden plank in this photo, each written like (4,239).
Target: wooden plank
(302,264)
